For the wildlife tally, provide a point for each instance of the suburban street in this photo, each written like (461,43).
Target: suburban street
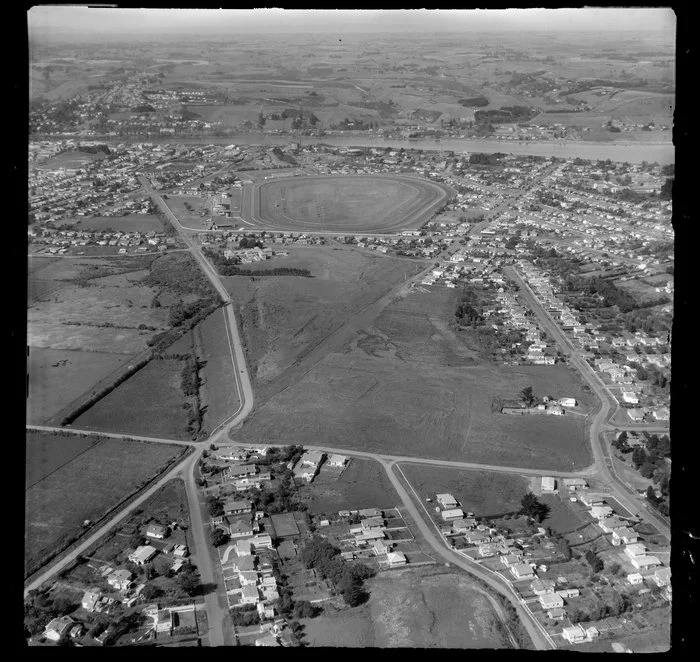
(539,638)
(203,553)
(609,405)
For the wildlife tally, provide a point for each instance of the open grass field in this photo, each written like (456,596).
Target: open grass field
(85,487)
(190,219)
(351,203)
(147,404)
(70,159)
(46,453)
(102,317)
(284,317)
(414,608)
(408,385)
(363,484)
(484,493)
(56,377)
(218,390)
(129,223)
(562,517)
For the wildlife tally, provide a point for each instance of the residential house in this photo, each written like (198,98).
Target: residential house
(522,571)
(624,536)
(248,577)
(542,586)
(90,598)
(250,595)
(463,525)
(163,621)
(261,540)
(447,501)
(567,402)
(142,554)
(557,614)
(601,512)
(120,579)
(234,507)
(476,537)
(635,578)
(511,559)
(610,524)
(58,628)
(396,559)
(549,484)
(488,549)
(243,563)
(239,527)
(645,562)
(575,483)
(662,576)
(574,634)
(337,460)
(589,499)
(551,600)
(635,549)
(157,531)
(452,514)
(243,548)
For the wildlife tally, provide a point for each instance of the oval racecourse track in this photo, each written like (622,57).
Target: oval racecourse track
(345,203)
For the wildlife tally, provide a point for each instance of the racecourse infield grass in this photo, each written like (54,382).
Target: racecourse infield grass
(345,203)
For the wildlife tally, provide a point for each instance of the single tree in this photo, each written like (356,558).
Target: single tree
(527,395)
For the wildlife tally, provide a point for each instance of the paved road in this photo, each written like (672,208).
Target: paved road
(47,574)
(539,639)
(217,607)
(609,406)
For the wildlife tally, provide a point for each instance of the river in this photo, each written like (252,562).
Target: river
(630,152)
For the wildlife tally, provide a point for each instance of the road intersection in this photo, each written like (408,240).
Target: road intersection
(203,554)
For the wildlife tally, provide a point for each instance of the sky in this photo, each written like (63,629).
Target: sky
(63,20)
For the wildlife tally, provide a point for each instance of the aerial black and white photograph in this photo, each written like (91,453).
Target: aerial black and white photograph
(349,328)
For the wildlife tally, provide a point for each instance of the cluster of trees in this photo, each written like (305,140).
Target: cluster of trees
(143,108)
(178,272)
(219,537)
(527,396)
(594,561)
(468,311)
(618,604)
(477,158)
(478,102)
(657,376)
(505,114)
(346,578)
(612,295)
(531,507)
(647,320)
(280,499)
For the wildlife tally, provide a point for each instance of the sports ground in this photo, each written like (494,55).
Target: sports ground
(344,203)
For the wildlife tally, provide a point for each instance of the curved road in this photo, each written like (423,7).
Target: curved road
(609,406)
(215,602)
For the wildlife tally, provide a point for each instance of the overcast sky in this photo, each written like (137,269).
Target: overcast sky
(56,20)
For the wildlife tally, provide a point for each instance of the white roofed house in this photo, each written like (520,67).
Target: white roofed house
(447,501)
(452,514)
(396,559)
(624,536)
(551,600)
(601,512)
(549,484)
(522,571)
(337,460)
(575,634)
(142,554)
